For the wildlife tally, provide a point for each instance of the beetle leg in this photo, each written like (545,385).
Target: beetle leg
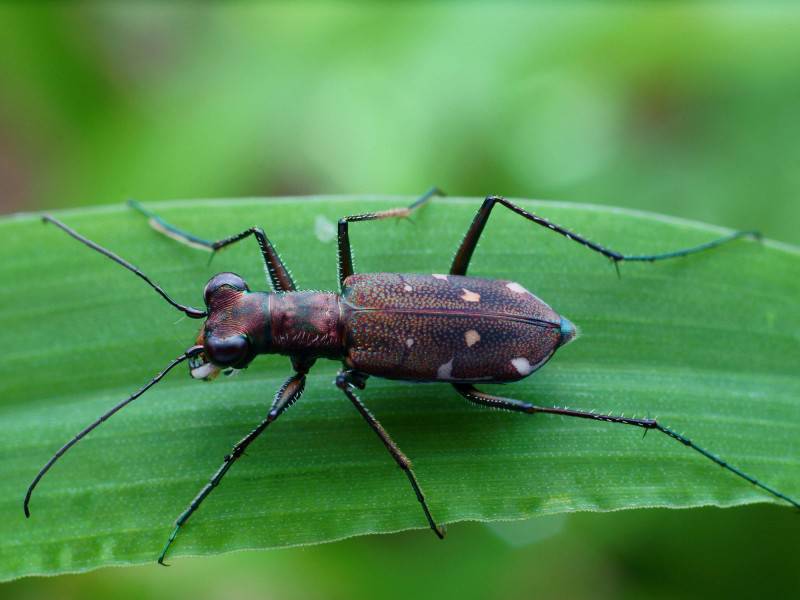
(470,241)
(345,255)
(473,395)
(276,271)
(344,382)
(287,395)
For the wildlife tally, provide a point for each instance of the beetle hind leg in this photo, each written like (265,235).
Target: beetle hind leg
(482,398)
(470,241)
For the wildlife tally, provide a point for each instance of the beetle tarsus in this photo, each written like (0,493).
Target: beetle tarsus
(163,554)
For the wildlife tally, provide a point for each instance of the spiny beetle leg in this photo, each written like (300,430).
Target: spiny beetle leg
(278,274)
(344,381)
(345,254)
(473,395)
(287,395)
(470,241)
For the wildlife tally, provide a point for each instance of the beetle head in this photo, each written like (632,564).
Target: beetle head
(227,337)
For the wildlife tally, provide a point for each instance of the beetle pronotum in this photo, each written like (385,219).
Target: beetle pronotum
(445,328)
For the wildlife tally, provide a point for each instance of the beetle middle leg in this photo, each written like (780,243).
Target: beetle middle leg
(470,241)
(278,274)
(345,255)
(344,381)
(483,399)
(287,395)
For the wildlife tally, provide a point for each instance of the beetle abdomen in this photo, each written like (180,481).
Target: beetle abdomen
(445,328)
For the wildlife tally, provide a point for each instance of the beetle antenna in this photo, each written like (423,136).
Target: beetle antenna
(188,310)
(191,352)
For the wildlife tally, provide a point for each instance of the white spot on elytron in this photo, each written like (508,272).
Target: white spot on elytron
(407,288)
(522,365)
(439,276)
(515,287)
(409,342)
(468,296)
(324,229)
(472,337)
(445,371)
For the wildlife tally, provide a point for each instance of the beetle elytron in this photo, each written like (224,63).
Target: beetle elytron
(424,328)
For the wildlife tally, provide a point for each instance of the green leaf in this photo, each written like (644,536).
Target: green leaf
(709,344)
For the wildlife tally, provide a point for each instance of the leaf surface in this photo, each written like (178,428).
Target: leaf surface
(709,344)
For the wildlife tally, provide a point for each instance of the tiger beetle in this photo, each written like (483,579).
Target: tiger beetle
(450,328)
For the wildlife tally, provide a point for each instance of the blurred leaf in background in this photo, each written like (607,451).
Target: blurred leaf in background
(682,108)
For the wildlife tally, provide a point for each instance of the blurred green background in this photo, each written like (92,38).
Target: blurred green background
(686,109)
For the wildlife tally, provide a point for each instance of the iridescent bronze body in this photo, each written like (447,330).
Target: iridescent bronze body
(422,328)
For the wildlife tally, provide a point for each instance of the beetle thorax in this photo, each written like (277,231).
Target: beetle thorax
(306,323)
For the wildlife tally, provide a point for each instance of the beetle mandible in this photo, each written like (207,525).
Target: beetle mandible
(444,328)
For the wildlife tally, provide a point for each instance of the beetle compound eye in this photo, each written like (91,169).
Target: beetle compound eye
(228,352)
(224,280)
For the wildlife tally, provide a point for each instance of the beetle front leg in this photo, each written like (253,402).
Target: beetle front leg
(287,395)
(277,273)
(344,381)
(345,254)
(482,398)
(470,241)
